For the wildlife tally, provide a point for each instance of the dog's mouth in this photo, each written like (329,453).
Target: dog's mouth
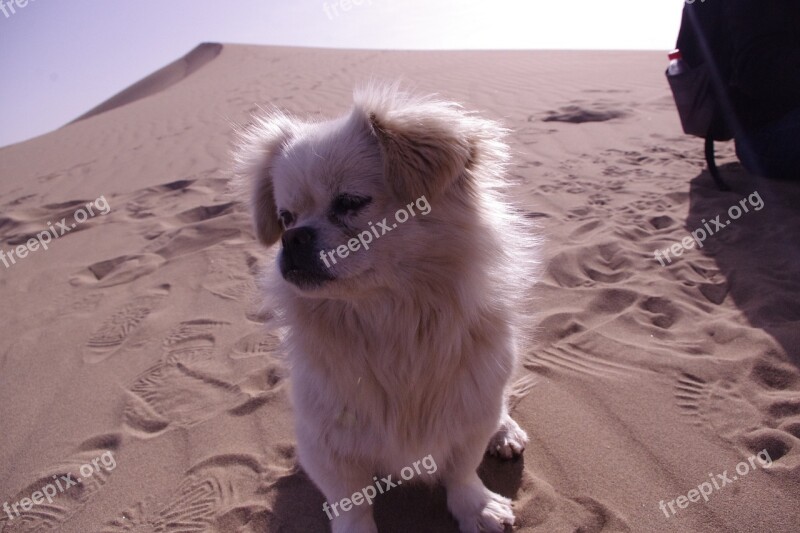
(304,279)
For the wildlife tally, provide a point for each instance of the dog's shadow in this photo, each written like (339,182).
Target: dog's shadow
(418,508)
(757,254)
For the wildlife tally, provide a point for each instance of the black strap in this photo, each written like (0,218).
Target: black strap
(712,164)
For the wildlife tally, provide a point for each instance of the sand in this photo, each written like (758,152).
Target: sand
(135,338)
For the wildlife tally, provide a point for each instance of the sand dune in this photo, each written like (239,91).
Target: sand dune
(136,333)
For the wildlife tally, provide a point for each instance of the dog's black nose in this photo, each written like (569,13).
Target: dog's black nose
(299,261)
(298,237)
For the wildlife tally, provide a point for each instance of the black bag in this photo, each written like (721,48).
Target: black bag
(702,93)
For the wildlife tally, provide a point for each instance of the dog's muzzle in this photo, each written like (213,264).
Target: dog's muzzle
(299,261)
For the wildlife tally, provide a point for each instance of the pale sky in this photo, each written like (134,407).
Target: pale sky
(60,58)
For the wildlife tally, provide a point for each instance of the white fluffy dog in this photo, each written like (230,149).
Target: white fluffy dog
(400,282)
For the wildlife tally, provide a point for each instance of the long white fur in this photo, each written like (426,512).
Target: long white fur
(409,352)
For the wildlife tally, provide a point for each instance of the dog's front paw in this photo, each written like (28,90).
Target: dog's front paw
(509,441)
(477,509)
(496,515)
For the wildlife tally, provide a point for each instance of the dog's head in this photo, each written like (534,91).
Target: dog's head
(349,199)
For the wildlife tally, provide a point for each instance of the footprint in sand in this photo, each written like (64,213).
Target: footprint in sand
(188,387)
(578,113)
(570,358)
(71,484)
(179,236)
(231,275)
(520,388)
(192,507)
(179,390)
(192,340)
(780,399)
(757,411)
(117,271)
(179,395)
(216,495)
(716,406)
(185,394)
(540,507)
(146,200)
(118,328)
(660,312)
(255,345)
(205,212)
(173,235)
(586,266)
(780,445)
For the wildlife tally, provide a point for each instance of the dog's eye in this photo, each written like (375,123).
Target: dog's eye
(286,218)
(346,204)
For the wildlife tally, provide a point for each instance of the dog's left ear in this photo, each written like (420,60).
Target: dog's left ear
(425,151)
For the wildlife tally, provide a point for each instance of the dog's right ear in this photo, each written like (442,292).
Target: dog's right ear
(259,146)
(427,145)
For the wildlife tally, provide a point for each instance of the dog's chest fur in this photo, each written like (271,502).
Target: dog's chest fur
(415,387)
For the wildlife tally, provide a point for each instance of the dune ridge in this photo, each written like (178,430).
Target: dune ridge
(160,80)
